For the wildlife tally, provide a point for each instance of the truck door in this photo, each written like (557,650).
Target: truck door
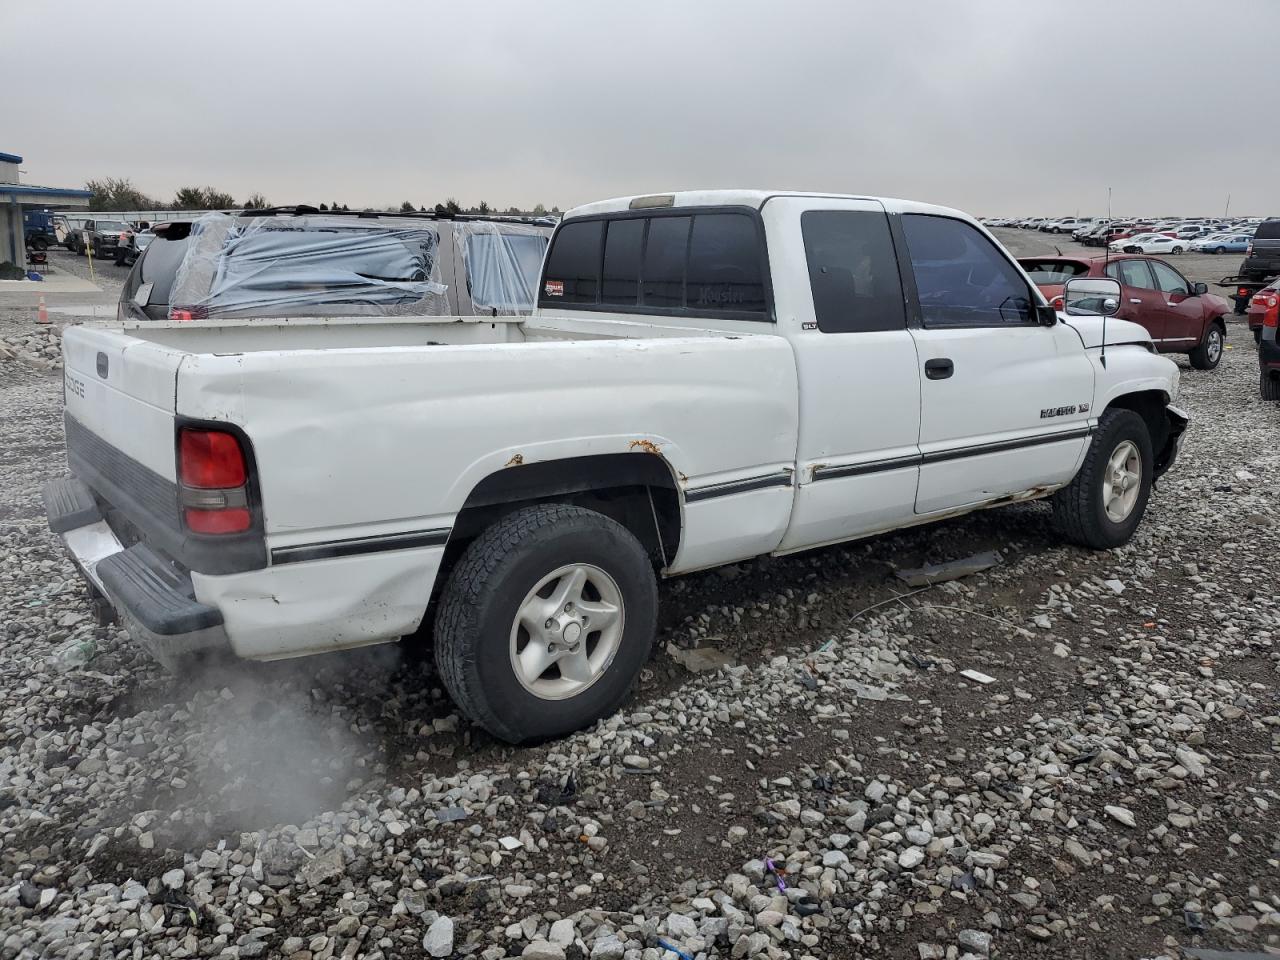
(1182,312)
(1005,400)
(842,301)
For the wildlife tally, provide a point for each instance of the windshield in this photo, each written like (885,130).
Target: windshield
(502,270)
(109,225)
(1044,272)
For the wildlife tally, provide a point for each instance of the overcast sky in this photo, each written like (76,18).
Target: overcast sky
(994,106)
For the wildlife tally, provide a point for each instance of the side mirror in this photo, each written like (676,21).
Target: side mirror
(1199,288)
(1091,297)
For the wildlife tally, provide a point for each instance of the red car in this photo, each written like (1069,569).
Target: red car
(1181,316)
(1264,309)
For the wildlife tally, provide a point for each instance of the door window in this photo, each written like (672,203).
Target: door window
(1132,273)
(961,278)
(1168,279)
(853,272)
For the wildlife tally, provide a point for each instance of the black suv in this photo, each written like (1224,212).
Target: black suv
(298,261)
(1263,257)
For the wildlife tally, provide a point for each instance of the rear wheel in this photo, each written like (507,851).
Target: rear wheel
(545,622)
(1176,250)
(1269,387)
(1218,250)
(40,244)
(1105,502)
(1207,355)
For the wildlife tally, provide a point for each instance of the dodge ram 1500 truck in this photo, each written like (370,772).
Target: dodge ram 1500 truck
(708,377)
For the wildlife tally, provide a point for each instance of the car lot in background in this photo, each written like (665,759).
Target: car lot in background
(1219,243)
(1150,243)
(1180,314)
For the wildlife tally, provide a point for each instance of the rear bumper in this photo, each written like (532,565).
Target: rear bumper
(279,611)
(154,599)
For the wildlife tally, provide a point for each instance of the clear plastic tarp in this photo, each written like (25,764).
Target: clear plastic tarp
(501,262)
(312,265)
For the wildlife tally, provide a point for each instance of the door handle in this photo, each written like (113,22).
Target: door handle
(939,369)
(1135,299)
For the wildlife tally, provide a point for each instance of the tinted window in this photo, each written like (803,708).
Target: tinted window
(1268,230)
(664,261)
(158,265)
(1132,273)
(622,262)
(961,277)
(572,274)
(724,264)
(852,271)
(1053,271)
(1167,279)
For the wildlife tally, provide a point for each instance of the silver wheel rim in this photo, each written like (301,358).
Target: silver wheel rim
(1213,349)
(567,631)
(1121,481)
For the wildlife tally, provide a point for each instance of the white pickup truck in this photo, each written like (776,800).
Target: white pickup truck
(708,377)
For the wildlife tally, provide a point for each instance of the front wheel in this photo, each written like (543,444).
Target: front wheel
(1207,355)
(1219,250)
(1176,250)
(545,622)
(1105,502)
(40,244)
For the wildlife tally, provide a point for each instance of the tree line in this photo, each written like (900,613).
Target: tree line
(119,193)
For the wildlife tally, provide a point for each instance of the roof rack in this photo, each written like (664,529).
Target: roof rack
(305,210)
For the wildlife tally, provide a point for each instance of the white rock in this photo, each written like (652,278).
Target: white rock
(174,879)
(1123,815)
(910,858)
(438,941)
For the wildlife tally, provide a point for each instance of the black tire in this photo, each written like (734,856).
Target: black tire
(1257,334)
(1218,250)
(119,258)
(1176,250)
(80,249)
(97,250)
(484,592)
(1268,387)
(40,244)
(1208,353)
(1079,510)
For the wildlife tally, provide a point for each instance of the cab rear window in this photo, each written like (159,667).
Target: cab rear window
(1053,271)
(708,263)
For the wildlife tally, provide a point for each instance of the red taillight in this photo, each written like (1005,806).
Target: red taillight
(1272,317)
(188,313)
(1248,251)
(218,521)
(213,473)
(210,459)
(1242,292)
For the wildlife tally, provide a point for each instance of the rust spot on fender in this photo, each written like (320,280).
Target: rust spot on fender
(515,461)
(681,475)
(646,446)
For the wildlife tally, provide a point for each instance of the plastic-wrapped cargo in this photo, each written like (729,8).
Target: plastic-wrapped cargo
(312,265)
(501,262)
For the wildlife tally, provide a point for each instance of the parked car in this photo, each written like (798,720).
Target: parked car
(1264,309)
(1220,243)
(1181,316)
(38,229)
(1262,256)
(1150,243)
(131,246)
(520,482)
(102,236)
(284,263)
(1068,224)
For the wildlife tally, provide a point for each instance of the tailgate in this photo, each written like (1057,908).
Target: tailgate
(121,390)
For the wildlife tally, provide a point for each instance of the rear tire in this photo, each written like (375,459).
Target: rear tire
(1268,387)
(1176,250)
(1208,354)
(40,244)
(1104,504)
(1218,250)
(481,631)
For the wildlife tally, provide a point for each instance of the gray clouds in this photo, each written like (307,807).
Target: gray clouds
(995,106)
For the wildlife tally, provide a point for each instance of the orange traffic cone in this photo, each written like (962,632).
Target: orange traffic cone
(42,314)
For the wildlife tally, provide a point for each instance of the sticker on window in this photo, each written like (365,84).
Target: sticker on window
(554,288)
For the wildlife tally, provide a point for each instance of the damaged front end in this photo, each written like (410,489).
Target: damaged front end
(1168,452)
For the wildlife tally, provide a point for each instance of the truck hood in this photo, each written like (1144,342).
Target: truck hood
(1118,331)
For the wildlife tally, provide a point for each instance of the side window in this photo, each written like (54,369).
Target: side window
(1168,279)
(622,244)
(724,264)
(1134,273)
(853,272)
(664,260)
(961,278)
(572,274)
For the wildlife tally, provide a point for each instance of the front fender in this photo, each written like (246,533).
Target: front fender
(1178,422)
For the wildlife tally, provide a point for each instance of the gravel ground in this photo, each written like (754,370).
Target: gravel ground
(841,791)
